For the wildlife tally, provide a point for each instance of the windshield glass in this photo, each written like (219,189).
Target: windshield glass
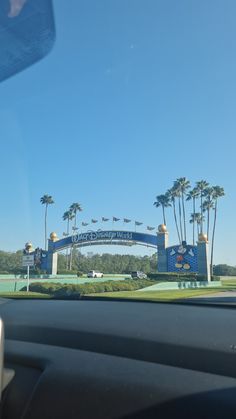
(118,153)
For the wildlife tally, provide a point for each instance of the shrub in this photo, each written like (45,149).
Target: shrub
(58,290)
(66,272)
(175,276)
(215,278)
(179,276)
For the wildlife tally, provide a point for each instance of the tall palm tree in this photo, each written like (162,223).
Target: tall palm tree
(193,195)
(193,220)
(199,219)
(201,187)
(182,184)
(172,197)
(178,195)
(162,201)
(46,200)
(217,193)
(74,208)
(207,205)
(67,216)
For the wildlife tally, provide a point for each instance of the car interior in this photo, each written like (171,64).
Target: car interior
(118,359)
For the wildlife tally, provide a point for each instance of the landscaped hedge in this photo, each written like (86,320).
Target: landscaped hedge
(58,290)
(66,272)
(176,277)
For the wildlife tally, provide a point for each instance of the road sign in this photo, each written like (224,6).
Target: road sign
(28,260)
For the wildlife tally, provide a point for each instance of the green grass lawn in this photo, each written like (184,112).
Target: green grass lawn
(171,295)
(156,295)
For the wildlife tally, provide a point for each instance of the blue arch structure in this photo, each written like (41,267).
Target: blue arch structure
(180,258)
(99,237)
(109,237)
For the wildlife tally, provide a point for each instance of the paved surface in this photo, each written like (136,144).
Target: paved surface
(223,297)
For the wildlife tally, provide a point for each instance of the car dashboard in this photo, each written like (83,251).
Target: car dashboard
(118,359)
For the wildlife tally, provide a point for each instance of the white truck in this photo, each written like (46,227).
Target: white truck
(95,274)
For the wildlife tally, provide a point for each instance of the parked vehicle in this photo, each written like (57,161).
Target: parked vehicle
(138,275)
(95,274)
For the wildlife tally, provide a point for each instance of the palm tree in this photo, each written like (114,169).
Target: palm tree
(182,184)
(193,194)
(46,200)
(207,205)
(162,201)
(172,197)
(67,216)
(74,208)
(217,193)
(201,187)
(193,222)
(199,219)
(178,195)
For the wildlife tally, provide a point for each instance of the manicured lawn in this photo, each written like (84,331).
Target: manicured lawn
(171,295)
(228,285)
(157,295)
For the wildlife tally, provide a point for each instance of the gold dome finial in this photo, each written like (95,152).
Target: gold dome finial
(162,228)
(202,237)
(29,247)
(53,236)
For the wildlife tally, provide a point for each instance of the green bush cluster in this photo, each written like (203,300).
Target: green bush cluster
(58,290)
(66,272)
(176,277)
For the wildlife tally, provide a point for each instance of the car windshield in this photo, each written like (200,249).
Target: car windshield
(117,150)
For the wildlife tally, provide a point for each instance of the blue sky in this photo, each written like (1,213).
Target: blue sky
(134,94)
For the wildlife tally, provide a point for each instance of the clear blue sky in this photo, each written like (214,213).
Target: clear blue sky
(135,94)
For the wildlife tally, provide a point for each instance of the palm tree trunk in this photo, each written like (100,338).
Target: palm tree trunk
(67,250)
(201,215)
(71,257)
(184,218)
(164,217)
(213,239)
(72,247)
(177,228)
(45,227)
(194,211)
(180,221)
(208,223)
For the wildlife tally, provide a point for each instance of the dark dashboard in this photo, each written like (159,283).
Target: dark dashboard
(110,359)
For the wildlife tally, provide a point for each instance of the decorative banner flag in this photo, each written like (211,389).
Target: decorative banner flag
(85,224)
(126,220)
(94,221)
(115,219)
(137,223)
(105,219)
(150,228)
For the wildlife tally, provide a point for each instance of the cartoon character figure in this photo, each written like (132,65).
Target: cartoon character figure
(181,262)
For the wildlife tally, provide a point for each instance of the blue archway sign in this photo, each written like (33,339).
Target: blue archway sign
(104,237)
(180,258)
